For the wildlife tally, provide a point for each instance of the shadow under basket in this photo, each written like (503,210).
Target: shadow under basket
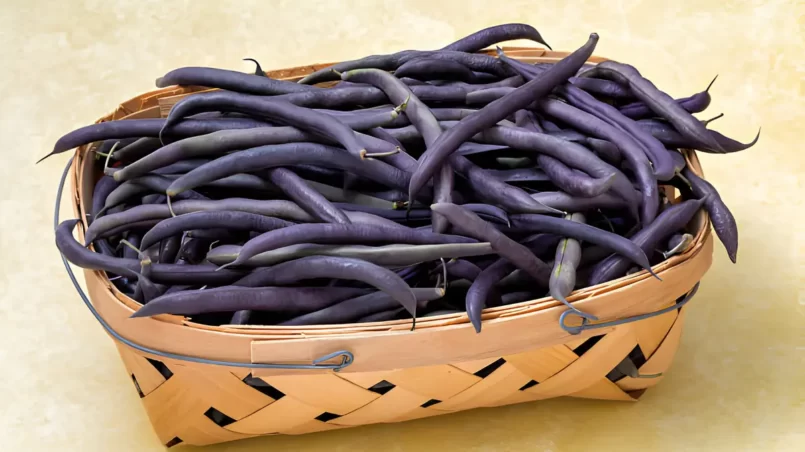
(203,385)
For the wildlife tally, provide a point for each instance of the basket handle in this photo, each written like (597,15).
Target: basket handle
(321,363)
(586,325)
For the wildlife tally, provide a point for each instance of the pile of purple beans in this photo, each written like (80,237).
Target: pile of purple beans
(419,183)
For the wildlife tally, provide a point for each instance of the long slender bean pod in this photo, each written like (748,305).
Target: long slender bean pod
(669,221)
(495,34)
(723,220)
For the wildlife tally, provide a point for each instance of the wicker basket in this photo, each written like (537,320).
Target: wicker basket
(268,380)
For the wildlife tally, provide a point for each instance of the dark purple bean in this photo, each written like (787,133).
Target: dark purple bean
(493,190)
(146,183)
(692,104)
(668,222)
(528,120)
(229,80)
(659,102)
(214,234)
(655,151)
(602,87)
(481,289)
(671,138)
(574,183)
(495,34)
(463,269)
(306,197)
(488,211)
(518,297)
(631,150)
(289,154)
(607,151)
(382,316)
(137,150)
(220,142)
(146,128)
(180,167)
(270,208)
(421,117)
(435,69)
(476,62)
(488,95)
(571,154)
(679,160)
(498,110)
(340,233)
(520,175)
(241,317)
(527,71)
(129,252)
(678,243)
(581,231)
(139,226)
(464,220)
(274,110)
(356,308)
(230,220)
(285,300)
(100,192)
(369,118)
(723,221)
(74,252)
(333,267)
(563,201)
(566,261)
(169,249)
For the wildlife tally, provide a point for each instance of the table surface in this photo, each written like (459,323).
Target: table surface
(738,380)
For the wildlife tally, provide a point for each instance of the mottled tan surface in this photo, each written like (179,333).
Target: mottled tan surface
(738,382)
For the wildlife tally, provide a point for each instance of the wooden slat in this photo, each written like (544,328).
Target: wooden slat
(310,427)
(651,332)
(603,389)
(326,391)
(172,405)
(284,414)
(202,431)
(392,405)
(591,367)
(148,377)
(660,361)
(366,379)
(474,366)
(434,382)
(226,393)
(500,384)
(542,363)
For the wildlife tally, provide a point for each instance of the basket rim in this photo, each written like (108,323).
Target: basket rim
(139,103)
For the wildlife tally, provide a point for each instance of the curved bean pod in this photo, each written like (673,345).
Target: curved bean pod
(285,155)
(450,140)
(574,183)
(464,220)
(566,261)
(584,232)
(229,80)
(669,221)
(389,255)
(333,267)
(357,308)
(568,203)
(306,197)
(286,300)
(495,34)
(723,220)
(659,102)
(146,128)
(230,220)
(692,104)
(602,87)
(631,150)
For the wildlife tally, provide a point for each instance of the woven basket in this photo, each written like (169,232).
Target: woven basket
(267,380)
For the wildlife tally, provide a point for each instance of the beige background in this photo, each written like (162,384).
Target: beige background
(738,382)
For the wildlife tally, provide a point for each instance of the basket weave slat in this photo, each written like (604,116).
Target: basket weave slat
(398,375)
